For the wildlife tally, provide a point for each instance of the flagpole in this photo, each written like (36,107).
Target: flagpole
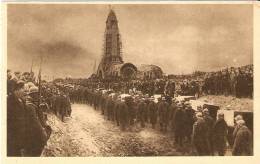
(39,81)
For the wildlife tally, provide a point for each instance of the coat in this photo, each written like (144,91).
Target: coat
(243,142)
(179,122)
(153,112)
(220,130)
(16,125)
(199,137)
(36,135)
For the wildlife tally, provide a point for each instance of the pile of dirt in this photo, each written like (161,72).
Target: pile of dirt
(233,103)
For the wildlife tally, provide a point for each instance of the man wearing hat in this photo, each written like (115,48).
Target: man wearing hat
(220,130)
(26,76)
(109,107)
(129,101)
(36,135)
(152,108)
(237,118)
(17,74)
(188,122)
(210,123)
(123,114)
(16,119)
(163,112)
(178,125)
(9,74)
(243,140)
(199,135)
(141,111)
(172,110)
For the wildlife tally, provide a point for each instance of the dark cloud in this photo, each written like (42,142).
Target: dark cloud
(178,38)
(61,50)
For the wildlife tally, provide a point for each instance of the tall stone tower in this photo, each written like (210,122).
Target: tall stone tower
(112,54)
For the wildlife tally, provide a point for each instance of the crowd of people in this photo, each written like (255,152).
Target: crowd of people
(127,104)
(231,81)
(27,130)
(28,103)
(207,134)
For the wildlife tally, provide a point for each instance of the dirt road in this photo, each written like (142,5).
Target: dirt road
(87,133)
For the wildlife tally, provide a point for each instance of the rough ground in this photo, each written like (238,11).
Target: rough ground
(87,133)
(241,104)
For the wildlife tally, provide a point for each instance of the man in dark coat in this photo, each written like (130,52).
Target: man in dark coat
(123,114)
(117,110)
(199,136)
(220,130)
(63,106)
(36,135)
(163,113)
(172,110)
(188,122)
(109,108)
(141,112)
(210,123)
(129,101)
(178,125)
(16,120)
(152,107)
(243,140)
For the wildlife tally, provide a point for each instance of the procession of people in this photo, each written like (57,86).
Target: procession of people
(128,104)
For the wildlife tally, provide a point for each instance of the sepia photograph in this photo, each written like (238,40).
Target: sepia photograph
(129,80)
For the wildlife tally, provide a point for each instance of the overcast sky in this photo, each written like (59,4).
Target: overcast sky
(178,38)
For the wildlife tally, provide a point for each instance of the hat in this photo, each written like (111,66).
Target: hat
(238,117)
(26,73)
(228,107)
(33,89)
(151,98)
(20,82)
(220,114)
(241,122)
(199,114)
(205,110)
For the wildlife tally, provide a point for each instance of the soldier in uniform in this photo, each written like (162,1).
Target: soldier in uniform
(63,106)
(219,135)
(243,140)
(130,106)
(162,113)
(109,107)
(188,122)
(178,125)
(117,110)
(199,137)
(141,112)
(36,135)
(16,119)
(172,110)
(123,114)
(152,107)
(210,123)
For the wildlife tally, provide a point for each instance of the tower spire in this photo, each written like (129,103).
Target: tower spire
(112,45)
